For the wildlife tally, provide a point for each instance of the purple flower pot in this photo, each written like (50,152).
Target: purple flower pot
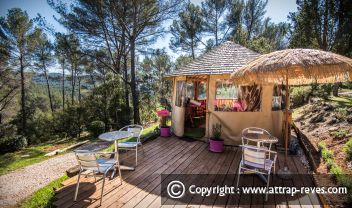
(165,131)
(216,145)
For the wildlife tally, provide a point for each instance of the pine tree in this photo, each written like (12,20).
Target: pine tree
(212,13)
(187,29)
(18,28)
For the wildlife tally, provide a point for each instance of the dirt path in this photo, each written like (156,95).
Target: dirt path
(20,184)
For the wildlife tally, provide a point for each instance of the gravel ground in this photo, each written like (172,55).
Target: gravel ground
(17,185)
(20,184)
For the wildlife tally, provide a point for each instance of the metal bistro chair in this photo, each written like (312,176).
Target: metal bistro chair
(255,136)
(136,131)
(257,160)
(88,161)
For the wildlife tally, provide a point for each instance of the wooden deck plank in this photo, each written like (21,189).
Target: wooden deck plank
(147,149)
(154,197)
(306,181)
(221,201)
(132,199)
(140,175)
(292,201)
(216,178)
(125,174)
(209,179)
(210,161)
(171,156)
(151,188)
(148,154)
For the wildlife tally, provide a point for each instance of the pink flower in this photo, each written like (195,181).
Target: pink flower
(163,113)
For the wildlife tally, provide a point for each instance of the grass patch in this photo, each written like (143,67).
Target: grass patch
(34,154)
(348,149)
(44,196)
(12,161)
(342,101)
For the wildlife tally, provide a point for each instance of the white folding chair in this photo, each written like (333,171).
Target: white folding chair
(257,160)
(89,161)
(136,131)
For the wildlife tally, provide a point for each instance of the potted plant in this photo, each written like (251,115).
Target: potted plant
(216,144)
(164,128)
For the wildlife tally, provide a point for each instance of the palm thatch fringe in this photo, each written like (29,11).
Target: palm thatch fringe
(301,66)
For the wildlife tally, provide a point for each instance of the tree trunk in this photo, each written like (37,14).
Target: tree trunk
(23,100)
(63,84)
(192,49)
(325,26)
(135,98)
(335,89)
(79,90)
(127,97)
(73,83)
(48,87)
(125,72)
(216,25)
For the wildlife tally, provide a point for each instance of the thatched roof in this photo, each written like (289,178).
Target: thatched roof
(301,66)
(223,59)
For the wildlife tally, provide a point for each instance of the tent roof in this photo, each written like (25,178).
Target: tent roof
(223,59)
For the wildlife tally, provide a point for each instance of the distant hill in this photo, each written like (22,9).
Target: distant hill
(55,80)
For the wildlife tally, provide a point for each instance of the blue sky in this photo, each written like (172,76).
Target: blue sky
(277,10)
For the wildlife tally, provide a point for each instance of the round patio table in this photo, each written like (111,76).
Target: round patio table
(115,136)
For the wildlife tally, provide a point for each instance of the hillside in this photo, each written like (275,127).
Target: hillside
(56,82)
(328,122)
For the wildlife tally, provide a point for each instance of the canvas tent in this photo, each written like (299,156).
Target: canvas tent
(206,80)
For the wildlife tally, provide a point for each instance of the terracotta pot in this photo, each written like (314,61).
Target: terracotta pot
(165,131)
(216,145)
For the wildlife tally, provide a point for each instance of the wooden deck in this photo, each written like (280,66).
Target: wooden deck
(141,188)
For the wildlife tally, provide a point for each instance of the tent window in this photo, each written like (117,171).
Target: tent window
(202,91)
(180,93)
(225,89)
(278,101)
(232,98)
(190,90)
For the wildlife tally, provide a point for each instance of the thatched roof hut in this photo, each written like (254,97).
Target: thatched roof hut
(302,66)
(206,82)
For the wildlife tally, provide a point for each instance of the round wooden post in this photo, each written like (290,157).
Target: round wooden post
(286,119)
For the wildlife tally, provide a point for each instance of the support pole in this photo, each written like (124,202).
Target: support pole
(284,172)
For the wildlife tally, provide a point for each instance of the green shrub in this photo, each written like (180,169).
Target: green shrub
(329,163)
(327,154)
(11,144)
(348,149)
(339,134)
(324,91)
(300,95)
(346,181)
(321,146)
(70,121)
(341,113)
(217,131)
(96,128)
(336,170)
